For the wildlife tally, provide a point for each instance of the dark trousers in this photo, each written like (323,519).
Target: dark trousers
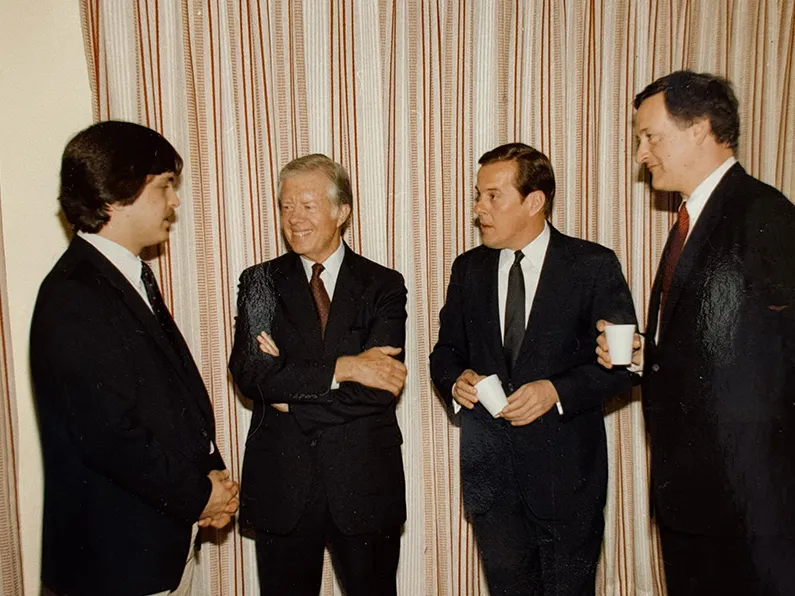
(525,556)
(292,564)
(729,566)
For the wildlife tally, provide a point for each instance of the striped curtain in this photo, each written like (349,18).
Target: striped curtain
(10,545)
(407,94)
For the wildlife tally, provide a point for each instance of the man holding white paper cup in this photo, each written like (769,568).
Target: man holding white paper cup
(719,354)
(520,318)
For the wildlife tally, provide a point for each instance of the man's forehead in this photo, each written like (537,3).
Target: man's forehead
(305,193)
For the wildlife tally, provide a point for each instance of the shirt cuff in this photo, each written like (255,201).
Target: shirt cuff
(560,408)
(334,384)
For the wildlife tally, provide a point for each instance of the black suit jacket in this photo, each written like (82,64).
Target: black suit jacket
(560,462)
(719,385)
(349,436)
(126,427)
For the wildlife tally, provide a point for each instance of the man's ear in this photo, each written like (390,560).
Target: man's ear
(343,211)
(534,202)
(700,129)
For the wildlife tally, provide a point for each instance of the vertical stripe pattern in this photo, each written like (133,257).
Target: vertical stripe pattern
(407,95)
(10,545)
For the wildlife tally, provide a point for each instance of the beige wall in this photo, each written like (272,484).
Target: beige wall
(44,99)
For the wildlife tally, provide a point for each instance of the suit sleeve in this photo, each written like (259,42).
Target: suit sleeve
(449,357)
(770,228)
(287,378)
(354,400)
(92,378)
(586,384)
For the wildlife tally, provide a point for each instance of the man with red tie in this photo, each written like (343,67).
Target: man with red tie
(318,347)
(719,356)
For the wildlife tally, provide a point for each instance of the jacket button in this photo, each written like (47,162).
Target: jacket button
(655,368)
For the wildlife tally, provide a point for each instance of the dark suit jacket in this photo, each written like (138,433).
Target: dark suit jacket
(560,462)
(719,386)
(126,426)
(349,436)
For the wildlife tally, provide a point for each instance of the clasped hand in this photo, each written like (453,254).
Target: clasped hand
(223,501)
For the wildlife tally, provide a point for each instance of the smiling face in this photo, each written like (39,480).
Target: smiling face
(310,219)
(665,147)
(506,219)
(147,220)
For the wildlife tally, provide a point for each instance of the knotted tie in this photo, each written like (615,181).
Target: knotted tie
(515,319)
(319,293)
(161,312)
(155,298)
(672,257)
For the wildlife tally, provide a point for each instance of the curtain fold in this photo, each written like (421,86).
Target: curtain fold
(10,545)
(407,94)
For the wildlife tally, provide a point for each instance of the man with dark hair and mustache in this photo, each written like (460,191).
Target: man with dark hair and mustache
(131,469)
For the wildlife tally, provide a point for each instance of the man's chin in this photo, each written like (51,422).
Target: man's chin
(658,183)
(488,241)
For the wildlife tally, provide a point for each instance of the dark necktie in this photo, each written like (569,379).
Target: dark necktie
(515,319)
(159,308)
(672,257)
(319,293)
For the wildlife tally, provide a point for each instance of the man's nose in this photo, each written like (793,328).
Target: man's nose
(641,153)
(480,206)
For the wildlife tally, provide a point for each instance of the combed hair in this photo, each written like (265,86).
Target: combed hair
(533,170)
(110,163)
(691,96)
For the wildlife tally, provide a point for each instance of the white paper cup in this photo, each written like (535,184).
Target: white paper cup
(619,343)
(491,394)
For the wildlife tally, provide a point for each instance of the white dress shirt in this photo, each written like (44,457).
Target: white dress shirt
(128,264)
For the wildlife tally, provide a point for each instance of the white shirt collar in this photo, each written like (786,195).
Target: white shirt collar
(698,198)
(331,268)
(534,252)
(127,263)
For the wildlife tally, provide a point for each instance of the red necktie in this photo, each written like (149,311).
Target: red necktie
(319,293)
(672,257)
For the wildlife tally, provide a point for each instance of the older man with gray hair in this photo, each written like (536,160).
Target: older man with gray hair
(318,347)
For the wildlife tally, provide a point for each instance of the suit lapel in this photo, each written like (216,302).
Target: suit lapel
(485,275)
(345,303)
(707,222)
(298,304)
(133,300)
